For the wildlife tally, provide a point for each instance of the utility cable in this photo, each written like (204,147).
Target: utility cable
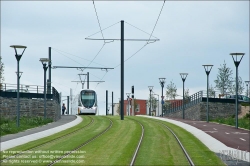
(140,29)
(76,56)
(156,22)
(98,21)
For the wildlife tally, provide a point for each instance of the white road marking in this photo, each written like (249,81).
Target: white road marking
(215,129)
(204,125)
(238,133)
(210,131)
(242,139)
(227,133)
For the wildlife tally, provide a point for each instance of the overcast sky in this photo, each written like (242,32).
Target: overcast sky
(191,34)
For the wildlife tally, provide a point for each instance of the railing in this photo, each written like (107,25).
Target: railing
(189,102)
(27,91)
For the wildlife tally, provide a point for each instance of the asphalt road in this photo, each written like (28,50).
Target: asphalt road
(230,136)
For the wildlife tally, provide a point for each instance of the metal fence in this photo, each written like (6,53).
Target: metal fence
(28,91)
(189,102)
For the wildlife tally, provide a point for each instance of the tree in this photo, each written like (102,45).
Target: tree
(1,72)
(211,91)
(232,88)
(171,91)
(224,79)
(186,93)
(154,102)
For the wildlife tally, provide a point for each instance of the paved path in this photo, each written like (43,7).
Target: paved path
(12,140)
(228,135)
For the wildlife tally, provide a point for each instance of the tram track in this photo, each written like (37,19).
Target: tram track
(51,141)
(138,146)
(82,145)
(179,142)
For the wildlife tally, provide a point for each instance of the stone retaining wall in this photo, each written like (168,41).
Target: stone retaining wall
(199,111)
(29,107)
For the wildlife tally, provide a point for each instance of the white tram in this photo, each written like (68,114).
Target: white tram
(87,103)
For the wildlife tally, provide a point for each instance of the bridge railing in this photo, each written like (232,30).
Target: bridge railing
(28,91)
(188,102)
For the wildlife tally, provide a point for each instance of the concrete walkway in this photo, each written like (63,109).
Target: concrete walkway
(212,143)
(13,140)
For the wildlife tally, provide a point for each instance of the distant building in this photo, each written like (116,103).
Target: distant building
(141,107)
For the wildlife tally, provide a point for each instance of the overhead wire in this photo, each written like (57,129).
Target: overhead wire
(98,21)
(77,56)
(156,21)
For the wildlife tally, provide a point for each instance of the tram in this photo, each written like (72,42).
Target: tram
(87,102)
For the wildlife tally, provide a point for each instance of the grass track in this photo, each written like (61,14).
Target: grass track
(158,146)
(71,142)
(116,146)
(198,152)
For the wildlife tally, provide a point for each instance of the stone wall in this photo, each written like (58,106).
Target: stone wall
(29,107)
(199,111)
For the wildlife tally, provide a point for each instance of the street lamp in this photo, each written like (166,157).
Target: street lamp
(183,77)
(45,61)
(150,90)
(247,82)
(162,82)
(158,103)
(128,96)
(207,68)
(237,57)
(18,57)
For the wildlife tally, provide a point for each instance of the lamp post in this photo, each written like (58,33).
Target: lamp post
(44,61)
(237,57)
(128,96)
(207,68)
(158,103)
(162,82)
(247,83)
(150,90)
(183,77)
(18,57)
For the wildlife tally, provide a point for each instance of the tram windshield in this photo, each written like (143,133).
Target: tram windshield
(88,98)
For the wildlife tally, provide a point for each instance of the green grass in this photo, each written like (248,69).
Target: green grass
(60,146)
(242,122)
(8,126)
(117,145)
(38,142)
(198,152)
(159,146)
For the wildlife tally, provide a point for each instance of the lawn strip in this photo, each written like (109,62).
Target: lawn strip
(116,146)
(198,152)
(159,146)
(59,147)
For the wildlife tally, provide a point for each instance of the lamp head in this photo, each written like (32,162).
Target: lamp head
(237,57)
(183,76)
(150,88)
(44,60)
(19,47)
(208,68)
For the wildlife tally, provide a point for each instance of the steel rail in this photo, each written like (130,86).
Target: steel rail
(182,147)
(138,146)
(83,144)
(53,140)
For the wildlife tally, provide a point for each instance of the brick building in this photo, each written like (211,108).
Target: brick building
(141,108)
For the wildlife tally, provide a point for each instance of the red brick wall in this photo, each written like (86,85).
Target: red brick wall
(142,110)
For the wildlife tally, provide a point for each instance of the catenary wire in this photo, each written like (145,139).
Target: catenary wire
(98,21)
(78,57)
(156,22)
